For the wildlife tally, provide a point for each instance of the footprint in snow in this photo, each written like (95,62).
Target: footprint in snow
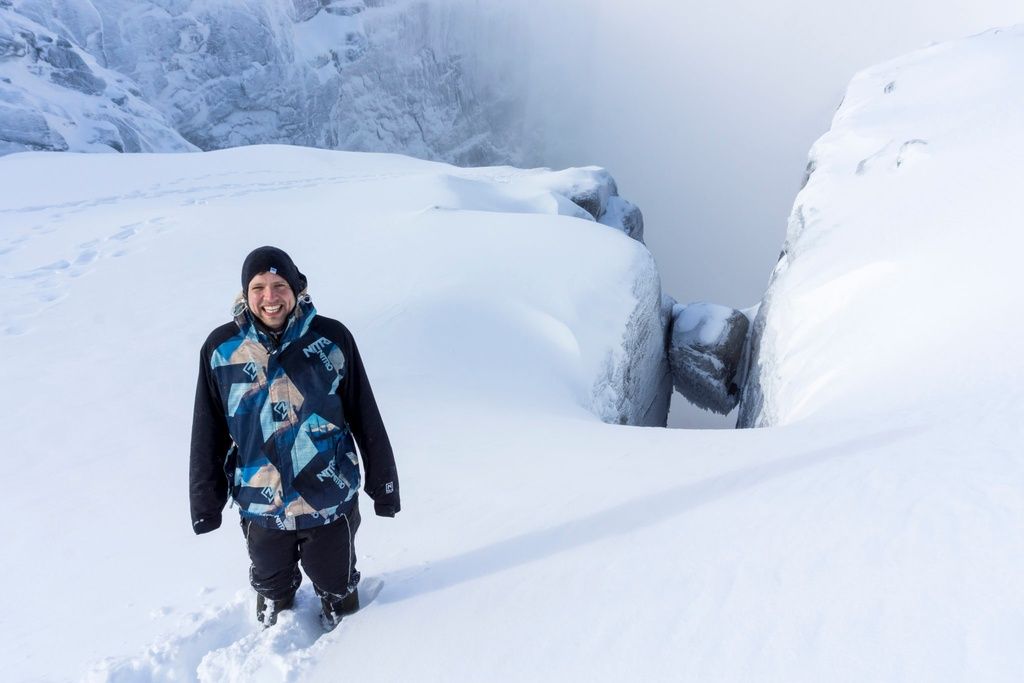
(126,232)
(226,644)
(81,264)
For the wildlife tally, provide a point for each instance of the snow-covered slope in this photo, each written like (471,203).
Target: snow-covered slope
(341,74)
(899,278)
(873,534)
(485,286)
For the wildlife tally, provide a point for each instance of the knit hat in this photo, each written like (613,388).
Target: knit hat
(272,260)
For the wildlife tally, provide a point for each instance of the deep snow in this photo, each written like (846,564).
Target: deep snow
(872,534)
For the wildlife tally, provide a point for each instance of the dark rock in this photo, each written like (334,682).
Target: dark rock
(82,81)
(306,9)
(625,216)
(29,129)
(345,8)
(11,46)
(70,70)
(752,394)
(706,351)
(63,57)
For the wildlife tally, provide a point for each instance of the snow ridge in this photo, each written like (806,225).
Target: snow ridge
(906,209)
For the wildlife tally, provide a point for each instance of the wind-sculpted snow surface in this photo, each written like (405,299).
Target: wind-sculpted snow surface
(339,74)
(492,314)
(903,250)
(537,307)
(626,377)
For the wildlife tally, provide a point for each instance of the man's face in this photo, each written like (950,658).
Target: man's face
(271,299)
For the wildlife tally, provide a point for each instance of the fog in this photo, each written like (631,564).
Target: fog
(703,112)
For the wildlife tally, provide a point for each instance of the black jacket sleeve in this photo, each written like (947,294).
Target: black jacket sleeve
(208,481)
(368,429)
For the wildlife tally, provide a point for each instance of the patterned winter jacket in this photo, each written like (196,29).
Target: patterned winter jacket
(273,426)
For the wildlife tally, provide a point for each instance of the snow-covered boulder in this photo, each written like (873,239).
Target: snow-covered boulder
(54,96)
(593,189)
(705,352)
(903,248)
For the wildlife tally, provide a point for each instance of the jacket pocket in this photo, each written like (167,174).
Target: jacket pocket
(230,465)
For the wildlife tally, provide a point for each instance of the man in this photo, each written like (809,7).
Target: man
(282,395)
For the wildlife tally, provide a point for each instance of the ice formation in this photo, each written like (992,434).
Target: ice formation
(340,74)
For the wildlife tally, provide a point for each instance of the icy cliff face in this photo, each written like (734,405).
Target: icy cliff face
(55,96)
(903,247)
(343,74)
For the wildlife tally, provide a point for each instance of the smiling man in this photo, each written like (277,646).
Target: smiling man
(281,403)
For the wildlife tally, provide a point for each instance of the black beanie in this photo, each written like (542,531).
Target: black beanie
(271,260)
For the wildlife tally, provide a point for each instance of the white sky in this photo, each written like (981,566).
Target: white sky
(705,112)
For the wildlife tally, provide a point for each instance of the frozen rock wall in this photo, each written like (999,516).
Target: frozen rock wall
(55,96)
(636,386)
(344,74)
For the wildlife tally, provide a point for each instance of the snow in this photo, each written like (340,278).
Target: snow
(902,246)
(55,96)
(871,533)
(387,77)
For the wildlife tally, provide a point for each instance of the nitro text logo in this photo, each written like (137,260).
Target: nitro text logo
(330,473)
(317,349)
(281,410)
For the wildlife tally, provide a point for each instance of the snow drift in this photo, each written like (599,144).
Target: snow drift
(897,278)
(871,533)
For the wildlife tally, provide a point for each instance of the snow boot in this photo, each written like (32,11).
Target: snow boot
(267,609)
(336,607)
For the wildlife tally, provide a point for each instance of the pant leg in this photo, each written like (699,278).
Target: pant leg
(274,554)
(329,557)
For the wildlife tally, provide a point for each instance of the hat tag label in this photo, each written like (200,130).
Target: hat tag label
(272,270)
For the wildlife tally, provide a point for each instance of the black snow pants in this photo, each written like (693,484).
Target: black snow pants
(327,554)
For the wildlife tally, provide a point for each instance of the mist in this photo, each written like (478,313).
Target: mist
(703,112)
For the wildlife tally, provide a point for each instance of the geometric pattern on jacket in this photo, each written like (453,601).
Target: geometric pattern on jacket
(295,463)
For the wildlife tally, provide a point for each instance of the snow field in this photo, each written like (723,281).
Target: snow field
(872,535)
